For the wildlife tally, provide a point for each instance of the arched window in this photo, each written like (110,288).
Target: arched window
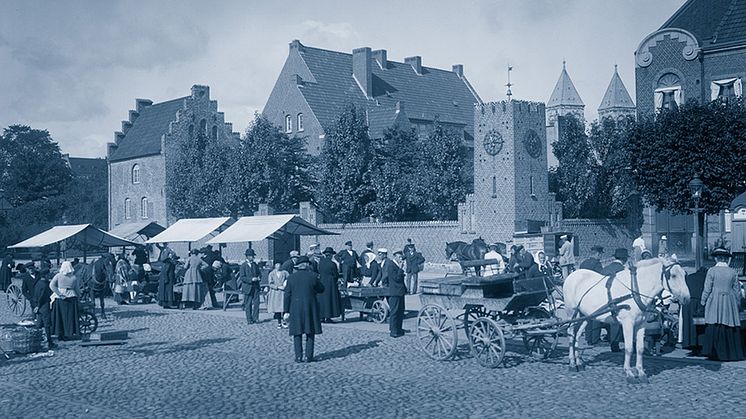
(300,122)
(668,94)
(136,174)
(288,124)
(203,127)
(144,208)
(127,208)
(214,132)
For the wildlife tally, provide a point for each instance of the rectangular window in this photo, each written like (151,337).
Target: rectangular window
(727,221)
(144,208)
(127,209)
(300,122)
(531,185)
(288,124)
(726,89)
(494,186)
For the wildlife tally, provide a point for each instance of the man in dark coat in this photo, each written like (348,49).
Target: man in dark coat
(302,308)
(27,282)
(414,261)
(208,275)
(166,281)
(6,272)
(617,265)
(100,281)
(289,265)
(375,272)
(249,277)
(392,276)
(347,259)
(42,307)
(593,263)
(330,302)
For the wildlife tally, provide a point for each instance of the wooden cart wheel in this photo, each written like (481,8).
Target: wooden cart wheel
(379,311)
(487,342)
(540,347)
(16,300)
(436,332)
(472,314)
(88,322)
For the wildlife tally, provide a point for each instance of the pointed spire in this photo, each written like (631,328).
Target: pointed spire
(564,93)
(617,98)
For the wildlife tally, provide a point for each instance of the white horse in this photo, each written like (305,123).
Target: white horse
(588,293)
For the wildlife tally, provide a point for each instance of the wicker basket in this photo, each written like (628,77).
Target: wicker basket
(27,340)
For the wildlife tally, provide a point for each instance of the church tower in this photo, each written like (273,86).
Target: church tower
(564,101)
(511,187)
(617,102)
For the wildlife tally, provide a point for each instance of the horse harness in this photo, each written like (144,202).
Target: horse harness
(635,293)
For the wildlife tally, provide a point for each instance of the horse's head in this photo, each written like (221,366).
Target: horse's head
(673,278)
(480,245)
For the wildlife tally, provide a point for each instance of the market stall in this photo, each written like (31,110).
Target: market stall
(83,237)
(137,232)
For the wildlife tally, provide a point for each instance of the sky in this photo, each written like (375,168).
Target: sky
(76,67)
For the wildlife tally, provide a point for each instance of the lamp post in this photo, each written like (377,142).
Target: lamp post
(695,187)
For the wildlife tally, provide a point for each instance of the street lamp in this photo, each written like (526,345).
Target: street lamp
(696,187)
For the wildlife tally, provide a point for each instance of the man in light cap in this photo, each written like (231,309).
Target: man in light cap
(663,247)
(347,259)
(392,276)
(289,265)
(566,256)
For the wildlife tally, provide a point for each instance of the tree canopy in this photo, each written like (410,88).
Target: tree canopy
(666,152)
(440,177)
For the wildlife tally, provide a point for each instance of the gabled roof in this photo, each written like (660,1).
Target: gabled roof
(616,96)
(82,166)
(144,137)
(433,94)
(564,93)
(713,22)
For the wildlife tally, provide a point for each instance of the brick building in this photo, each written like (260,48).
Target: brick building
(316,85)
(140,152)
(699,54)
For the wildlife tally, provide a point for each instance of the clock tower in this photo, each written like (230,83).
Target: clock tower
(511,185)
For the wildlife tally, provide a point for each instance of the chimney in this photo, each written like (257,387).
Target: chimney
(141,104)
(362,70)
(199,92)
(380,56)
(459,70)
(415,62)
(295,44)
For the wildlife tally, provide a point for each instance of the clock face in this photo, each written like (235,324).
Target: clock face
(532,144)
(493,142)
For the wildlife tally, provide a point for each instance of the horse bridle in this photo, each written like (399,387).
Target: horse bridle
(665,281)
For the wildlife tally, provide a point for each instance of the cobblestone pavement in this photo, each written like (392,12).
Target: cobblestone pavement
(211,364)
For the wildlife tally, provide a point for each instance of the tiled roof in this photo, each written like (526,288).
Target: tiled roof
(379,119)
(712,22)
(564,92)
(86,167)
(434,93)
(616,95)
(144,137)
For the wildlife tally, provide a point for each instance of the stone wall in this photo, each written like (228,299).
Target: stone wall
(610,234)
(151,186)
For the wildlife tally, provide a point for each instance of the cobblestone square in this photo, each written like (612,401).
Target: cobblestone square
(212,364)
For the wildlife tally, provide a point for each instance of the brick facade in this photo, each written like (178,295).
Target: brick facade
(193,113)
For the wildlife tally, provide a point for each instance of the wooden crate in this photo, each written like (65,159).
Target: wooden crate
(443,286)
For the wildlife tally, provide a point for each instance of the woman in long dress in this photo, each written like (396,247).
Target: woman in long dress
(330,300)
(121,280)
(194,290)
(166,281)
(276,294)
(66,289)
(721,298)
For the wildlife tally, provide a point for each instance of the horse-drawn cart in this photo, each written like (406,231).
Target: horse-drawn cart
(494,307)
(369,301)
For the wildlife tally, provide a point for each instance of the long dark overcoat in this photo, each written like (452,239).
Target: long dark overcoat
(330,302)
(166,280)
(301,303)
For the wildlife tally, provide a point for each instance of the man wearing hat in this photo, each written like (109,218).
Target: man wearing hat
(593,263)
(621,256)
(366,257)
(392,276)
(289,264)
(663,247)
(566,256)
(347,259)
(330,301)
(27,281)
(249,277)
(302,309)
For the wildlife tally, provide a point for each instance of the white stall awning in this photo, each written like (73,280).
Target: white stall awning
(260,227)
(81,236)
(131,231)
(191,229)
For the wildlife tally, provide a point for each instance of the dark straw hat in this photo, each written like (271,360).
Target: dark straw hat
(302,259)
(721,251)
(621,254)
(328,251)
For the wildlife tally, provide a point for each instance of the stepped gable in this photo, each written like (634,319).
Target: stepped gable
(142,134)
(564,93)
(715,23)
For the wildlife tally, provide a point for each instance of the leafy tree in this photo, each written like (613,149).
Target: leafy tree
(576,170)
(273,168)
(33,167)
(706,139)
(394,171)
(440,179)
(85,200)
(197,176)
(344,188)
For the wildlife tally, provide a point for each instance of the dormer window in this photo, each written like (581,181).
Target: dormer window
(136,174)
(288,124)
(300,122)
(726,89)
